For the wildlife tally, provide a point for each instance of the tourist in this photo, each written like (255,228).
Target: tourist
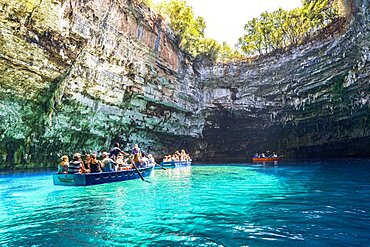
(151,160)
(95,165)
(107,163)
(126,166)
(137,156)
(183,155)
(76,165)
(119,162)
(115,151)
(87,162)
(63,166)
(167,158)
(188,158)
(144,160)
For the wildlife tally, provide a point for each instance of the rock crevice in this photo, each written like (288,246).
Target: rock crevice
(80,75)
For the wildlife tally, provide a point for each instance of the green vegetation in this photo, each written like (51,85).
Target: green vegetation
(280,29)
(265,34)
(190,30)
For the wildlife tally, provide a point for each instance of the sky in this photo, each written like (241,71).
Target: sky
(225,19)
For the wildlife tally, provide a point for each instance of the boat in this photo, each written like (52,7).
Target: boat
(174,164)
(267,159)
(86,179)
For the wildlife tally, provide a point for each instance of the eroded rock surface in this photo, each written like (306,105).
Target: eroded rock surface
(80,75)
(312,103)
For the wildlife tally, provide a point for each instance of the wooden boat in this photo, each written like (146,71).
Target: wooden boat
(99,178)
(174,164)
(267,159)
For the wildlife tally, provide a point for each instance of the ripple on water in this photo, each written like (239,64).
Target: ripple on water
(314,205)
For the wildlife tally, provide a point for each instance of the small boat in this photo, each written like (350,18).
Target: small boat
(173,164)
(85,179)
(267,159)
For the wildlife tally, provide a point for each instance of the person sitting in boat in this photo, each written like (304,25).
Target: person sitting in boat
(120,162)
(137,156)
(95,165)
(188,157)
(167,158)
(63,166)
(144,161)
(76,165)
(274,155)
(151,160)
(126,165)
(115,151)
(107,163)
(87,163)
(177,154)
(183,155)
(256,155)
(262,155)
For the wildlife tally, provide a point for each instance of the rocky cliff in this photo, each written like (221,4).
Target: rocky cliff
(79,75)
(311,102)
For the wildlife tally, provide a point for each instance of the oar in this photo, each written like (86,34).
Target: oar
(160,166)
(141,176)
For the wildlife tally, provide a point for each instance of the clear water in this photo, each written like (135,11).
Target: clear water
(306,204)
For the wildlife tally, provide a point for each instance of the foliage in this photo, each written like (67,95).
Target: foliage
(279,29)
(227,54)
(269,32)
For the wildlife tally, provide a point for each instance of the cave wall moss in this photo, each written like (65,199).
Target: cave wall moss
(81,75)
(77,76)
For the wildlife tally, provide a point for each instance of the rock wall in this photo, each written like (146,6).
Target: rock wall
(80,75)
(313,102)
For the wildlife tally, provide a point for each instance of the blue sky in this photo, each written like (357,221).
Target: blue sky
(225,19)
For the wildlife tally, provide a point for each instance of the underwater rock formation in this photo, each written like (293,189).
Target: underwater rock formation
(81,75)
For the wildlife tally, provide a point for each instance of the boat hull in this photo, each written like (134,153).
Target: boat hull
(86,179)
(271,159)
(174,164)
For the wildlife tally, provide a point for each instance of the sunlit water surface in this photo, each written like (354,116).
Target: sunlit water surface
(296,204)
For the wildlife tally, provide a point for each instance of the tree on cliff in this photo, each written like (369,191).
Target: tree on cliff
(279,29)
(267,33)
(188,28)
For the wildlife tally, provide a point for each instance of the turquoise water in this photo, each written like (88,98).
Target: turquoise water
(302,204)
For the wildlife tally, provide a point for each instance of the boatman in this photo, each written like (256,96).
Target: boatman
(113,153)
(137,155)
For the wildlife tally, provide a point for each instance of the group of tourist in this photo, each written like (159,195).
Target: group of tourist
(177,156)
(268,154)
(115,160)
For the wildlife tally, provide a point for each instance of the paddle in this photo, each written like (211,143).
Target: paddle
(160,166)
(141,176)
